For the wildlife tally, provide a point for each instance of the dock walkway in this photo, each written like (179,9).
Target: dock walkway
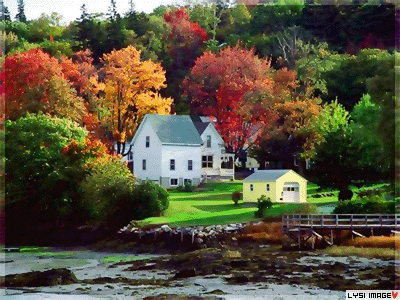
(299,228)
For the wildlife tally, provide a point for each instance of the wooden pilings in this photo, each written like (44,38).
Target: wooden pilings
(298,229)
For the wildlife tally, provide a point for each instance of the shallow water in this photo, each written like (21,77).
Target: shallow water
(90,265)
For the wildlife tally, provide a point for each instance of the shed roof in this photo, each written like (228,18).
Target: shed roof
(267,175)
(173,129)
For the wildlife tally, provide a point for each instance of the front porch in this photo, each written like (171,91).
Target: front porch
(222,167)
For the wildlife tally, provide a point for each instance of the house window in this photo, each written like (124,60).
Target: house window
(207,161)
(251,187)
(147,141)
(190,165)
(144,164)
(174,182)
(267,187)
(187,181)
(208,141)
(130,156)
(172,164)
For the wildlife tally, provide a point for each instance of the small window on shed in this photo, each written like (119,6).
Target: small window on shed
(251,187)
(267,187)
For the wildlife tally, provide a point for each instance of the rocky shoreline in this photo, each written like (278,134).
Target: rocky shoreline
(244,264)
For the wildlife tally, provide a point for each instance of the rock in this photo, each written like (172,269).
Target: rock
(185,273)
(307,270)
(148,266)
(216,292)
(47,278)
(166,228)
(241,278)
(233,254)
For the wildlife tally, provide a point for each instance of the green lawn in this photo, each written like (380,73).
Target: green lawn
(213,205)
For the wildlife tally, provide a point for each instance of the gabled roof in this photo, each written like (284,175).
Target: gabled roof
(173,129)
(267,175)
(201,126)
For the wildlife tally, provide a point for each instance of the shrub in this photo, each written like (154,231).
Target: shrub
(113,196)
(263,204)
(108,191)
(372,204)
(188,187)
(236,196)
(149,200)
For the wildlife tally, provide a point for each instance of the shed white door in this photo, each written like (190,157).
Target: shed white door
(291,192)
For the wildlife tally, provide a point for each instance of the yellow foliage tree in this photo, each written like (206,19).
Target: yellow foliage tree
(130,91)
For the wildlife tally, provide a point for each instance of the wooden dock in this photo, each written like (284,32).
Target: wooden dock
(300,228)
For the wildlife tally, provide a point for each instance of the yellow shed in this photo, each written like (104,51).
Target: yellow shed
(284,186)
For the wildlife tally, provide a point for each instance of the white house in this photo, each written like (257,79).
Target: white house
(215,163)
(171,150)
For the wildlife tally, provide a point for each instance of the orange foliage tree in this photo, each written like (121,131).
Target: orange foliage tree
(34,81)
(130,91)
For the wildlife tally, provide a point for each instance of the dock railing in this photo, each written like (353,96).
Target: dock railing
(341,221)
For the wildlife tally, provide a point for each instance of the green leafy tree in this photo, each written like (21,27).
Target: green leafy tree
(384,90)
(357,153)
(34,170)
(347,80)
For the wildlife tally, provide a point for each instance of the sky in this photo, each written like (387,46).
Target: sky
(70,9)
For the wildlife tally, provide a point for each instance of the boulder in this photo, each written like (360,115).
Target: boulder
(46,278)
(186,273)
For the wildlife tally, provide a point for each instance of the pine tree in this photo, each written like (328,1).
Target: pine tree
(84,26)
(115,35)
(5,13)
(21,12)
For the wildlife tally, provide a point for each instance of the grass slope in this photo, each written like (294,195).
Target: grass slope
(214,205)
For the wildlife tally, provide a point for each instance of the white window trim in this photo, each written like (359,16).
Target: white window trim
(170,181)
(170,165)
(147,141)
(190,166)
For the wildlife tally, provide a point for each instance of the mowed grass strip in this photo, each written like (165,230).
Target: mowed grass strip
(213,205)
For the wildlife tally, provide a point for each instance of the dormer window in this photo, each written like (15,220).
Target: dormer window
(208,141)
(147,141)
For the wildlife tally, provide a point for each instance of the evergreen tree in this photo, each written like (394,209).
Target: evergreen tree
(5,13)
(115,35)
(84,26)
(21,12)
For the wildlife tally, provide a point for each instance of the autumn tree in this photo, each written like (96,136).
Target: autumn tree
(239,89)
(183,44)
(35,81)
(131,90)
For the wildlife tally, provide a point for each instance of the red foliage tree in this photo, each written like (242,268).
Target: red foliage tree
(35,82)
(185,38)
(240,90)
